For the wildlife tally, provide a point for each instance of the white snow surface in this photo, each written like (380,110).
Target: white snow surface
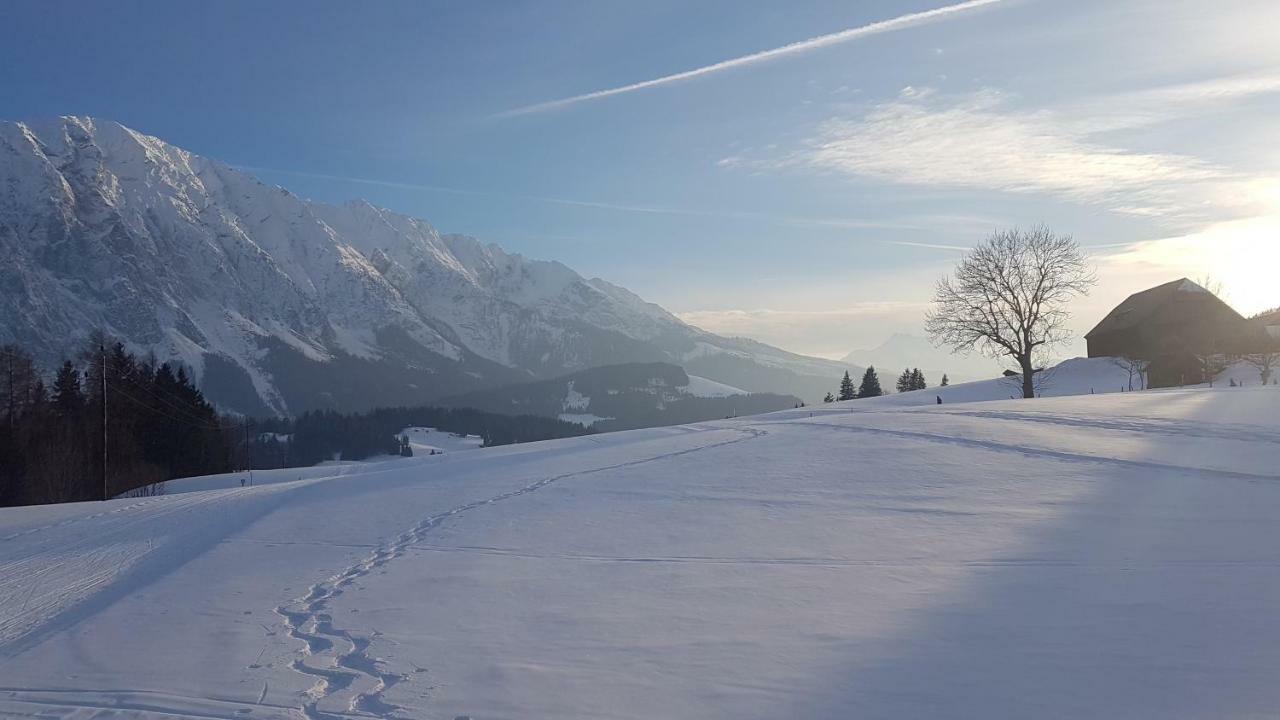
(1091,556)
(1078,376)
(574,400)
(704,387)
(423,440)
(584,419)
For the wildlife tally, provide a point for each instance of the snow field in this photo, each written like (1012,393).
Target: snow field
(1090,556)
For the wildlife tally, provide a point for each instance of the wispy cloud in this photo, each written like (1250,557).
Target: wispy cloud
(901,22)
(908,223)
(983,140)
(1142,108)
(930,246)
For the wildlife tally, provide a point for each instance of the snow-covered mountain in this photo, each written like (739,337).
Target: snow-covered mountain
(282,304)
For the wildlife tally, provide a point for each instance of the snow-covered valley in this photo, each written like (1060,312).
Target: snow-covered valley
(1088,556)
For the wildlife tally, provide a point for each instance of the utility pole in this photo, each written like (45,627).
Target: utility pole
(103,350)
(13,404)
(248,458)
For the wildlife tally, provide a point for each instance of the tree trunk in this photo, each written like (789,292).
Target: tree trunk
(1028,377)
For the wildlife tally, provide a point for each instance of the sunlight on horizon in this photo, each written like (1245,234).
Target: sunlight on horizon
(1242,255)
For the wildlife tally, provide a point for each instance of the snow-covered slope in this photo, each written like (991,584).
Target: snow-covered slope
(1077,376)
(1106,556)
(703,387)
(268,296)
(426,440)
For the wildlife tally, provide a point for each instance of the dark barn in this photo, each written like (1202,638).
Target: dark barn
(1169,325)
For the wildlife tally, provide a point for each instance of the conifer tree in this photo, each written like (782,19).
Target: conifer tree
(18,377)
(870,384)
(846,388)
(905,382)
(829,398)
(67,396)
(917,380)
(945,380)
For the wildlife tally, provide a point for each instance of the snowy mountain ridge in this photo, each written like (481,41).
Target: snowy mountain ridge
(268,296)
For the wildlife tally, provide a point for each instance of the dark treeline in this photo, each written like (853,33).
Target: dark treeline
(911,379)
(870,385)
(157,426)
(325,435)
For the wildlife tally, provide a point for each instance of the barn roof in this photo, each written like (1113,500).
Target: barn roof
(1140,306)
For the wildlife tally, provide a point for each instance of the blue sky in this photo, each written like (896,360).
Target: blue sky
(807,198)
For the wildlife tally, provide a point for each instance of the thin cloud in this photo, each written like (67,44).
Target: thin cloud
(901,22)
(623,207)
(982,141)
(845,223)
(1142,108)
(931,246)
(989,140)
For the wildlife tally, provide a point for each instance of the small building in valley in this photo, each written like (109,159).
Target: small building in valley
(1171,326)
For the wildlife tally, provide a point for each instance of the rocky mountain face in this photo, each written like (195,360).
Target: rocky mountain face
(279,304)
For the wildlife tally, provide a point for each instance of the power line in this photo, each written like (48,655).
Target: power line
(203,425)
(173,402)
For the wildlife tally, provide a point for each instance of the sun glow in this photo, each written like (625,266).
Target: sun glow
(1242,255)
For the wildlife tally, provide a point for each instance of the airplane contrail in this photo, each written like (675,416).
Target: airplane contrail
(898,23)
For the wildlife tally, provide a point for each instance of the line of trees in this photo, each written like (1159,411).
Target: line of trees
(911,379)
(108,423)
(868,388)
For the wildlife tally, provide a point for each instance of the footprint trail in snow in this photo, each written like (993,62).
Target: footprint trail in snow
(348,680)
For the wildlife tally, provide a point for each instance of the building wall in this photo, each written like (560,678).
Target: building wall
(1173,335)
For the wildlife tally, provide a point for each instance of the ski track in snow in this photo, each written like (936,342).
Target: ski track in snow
(1219,431)
(38,583)
(345,673)
(1034,451)
(834,562)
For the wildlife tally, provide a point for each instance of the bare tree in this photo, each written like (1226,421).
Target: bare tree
(1210,357)
(1008,298)
(1137,368)
(1213,285)
(1266,358)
